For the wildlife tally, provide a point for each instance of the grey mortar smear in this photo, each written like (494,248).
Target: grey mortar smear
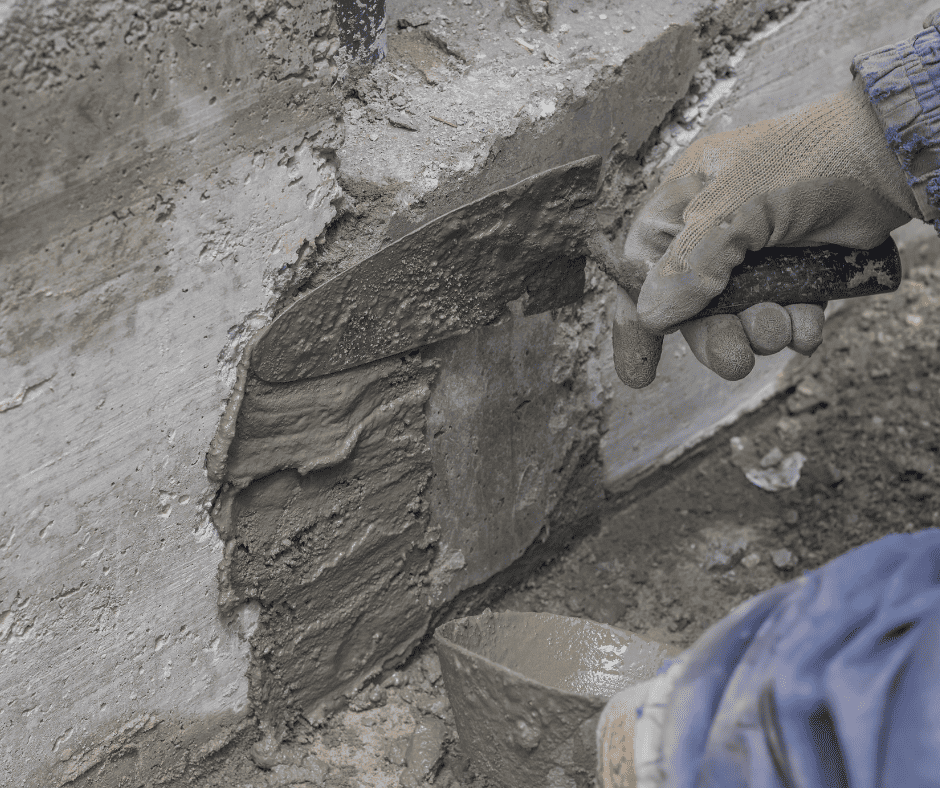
(219,454)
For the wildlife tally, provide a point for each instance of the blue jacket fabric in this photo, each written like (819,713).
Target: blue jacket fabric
(903,83)
(830,681)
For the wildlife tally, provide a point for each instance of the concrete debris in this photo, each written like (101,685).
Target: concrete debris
(774,471)
(431,666)
(396,679)
(783,559)
(773,457)
(448,45)
(777,472)
(551,53)
(750,560)
(369,698)
(424,751)
(722,551)
(808,397)
(402,121)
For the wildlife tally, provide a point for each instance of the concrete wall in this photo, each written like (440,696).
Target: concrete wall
(160,166)
(173,177)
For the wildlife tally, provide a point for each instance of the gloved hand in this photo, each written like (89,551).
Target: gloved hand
(821,174)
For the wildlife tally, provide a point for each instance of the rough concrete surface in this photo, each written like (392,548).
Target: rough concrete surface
(176,174)
(160,168)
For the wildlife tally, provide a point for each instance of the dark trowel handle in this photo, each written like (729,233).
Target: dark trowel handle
(808,275)
(781,275)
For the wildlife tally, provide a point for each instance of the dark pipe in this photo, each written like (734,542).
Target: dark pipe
(362,29)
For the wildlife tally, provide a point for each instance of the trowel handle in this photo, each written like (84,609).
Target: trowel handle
(808,275)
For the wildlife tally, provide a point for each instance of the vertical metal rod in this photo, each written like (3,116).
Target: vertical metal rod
(362,29)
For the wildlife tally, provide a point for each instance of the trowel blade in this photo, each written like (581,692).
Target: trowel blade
(453,274)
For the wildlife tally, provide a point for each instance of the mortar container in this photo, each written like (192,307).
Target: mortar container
(527,690)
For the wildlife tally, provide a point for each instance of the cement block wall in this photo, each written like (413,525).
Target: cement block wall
(173,176)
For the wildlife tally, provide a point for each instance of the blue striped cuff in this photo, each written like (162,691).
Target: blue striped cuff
(902,82)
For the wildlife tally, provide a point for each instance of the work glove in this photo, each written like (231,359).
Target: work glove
(821,174)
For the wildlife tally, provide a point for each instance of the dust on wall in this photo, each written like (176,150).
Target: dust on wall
(161,166)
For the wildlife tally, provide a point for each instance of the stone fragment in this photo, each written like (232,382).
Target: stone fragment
(431,666)
(750,560)
(771,458)
(551,54)
(783,559)
(723,551)
(782,476)
(424,751)
(808,397)
(402,121)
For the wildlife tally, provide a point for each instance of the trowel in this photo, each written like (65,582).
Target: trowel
(526,243)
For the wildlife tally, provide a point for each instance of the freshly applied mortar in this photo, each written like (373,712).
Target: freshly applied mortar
(337,486)
(527,690)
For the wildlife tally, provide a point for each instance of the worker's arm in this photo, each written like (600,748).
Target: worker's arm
(829,680)
(847,170)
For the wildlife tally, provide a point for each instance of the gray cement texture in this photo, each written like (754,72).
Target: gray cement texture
(160,168)
(175,175)
(511,413)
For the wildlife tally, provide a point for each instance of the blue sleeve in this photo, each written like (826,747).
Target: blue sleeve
(830,680)
(903,83)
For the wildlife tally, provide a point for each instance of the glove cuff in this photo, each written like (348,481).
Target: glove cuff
(902,82)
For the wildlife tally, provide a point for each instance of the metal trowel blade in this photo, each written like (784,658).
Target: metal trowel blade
(451,275)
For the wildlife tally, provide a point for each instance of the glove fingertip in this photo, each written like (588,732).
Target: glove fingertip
(731,362)
(808,322)
(636,353)
(720,343)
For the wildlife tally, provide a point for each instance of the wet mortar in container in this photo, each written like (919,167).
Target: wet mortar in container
(527,690)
